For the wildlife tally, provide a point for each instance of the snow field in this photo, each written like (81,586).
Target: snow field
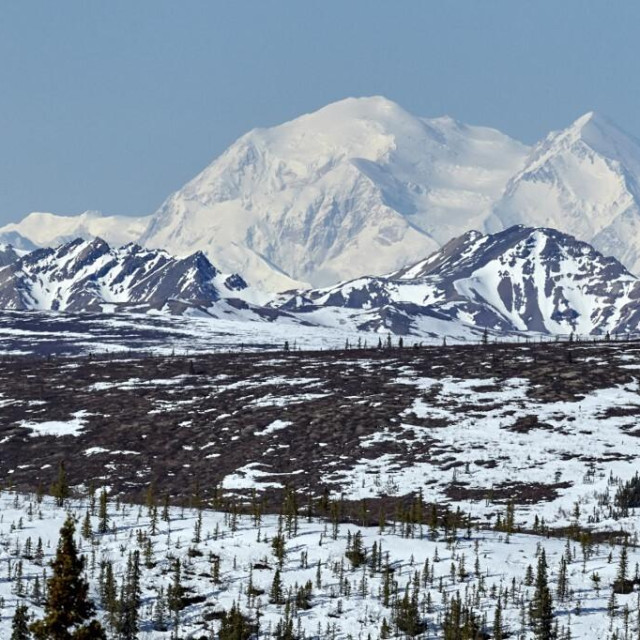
(241,546)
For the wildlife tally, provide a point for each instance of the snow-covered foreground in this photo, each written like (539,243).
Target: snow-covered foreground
(493,434)
(344,602)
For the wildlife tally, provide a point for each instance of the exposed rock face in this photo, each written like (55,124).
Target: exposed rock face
(520,279)
(87,275)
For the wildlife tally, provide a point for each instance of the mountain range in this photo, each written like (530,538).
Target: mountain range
(89,275)
(364,187)
(515,281)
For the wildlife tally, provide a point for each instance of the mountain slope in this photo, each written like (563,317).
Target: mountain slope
(362,186)
(9,254)
(515,281)
(520,279)
(360,182)
(91,276)
(584,180)
(51,230)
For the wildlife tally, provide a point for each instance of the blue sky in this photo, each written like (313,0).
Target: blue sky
(113,105)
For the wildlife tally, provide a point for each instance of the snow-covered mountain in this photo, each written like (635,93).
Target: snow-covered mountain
(50,230)
(361,185)
(584,180)
(85,275)
(520,279)
(364,187)
(9,254)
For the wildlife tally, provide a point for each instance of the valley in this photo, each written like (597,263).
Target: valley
(455,466)
(472,427)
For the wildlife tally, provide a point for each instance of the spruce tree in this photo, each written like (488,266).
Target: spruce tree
(175,592)
(86,526)
(160,612)
(541,611)
(131,599)
(407,613)
(20,623)
(623,566)
(109,594)
(355,550)
(68,609)
(563,582)
(234,626)
(498,631)
(622,583)
(103,516)
(60,488)
(275,595)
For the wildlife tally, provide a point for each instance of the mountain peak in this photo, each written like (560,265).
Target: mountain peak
(358,107)
(597,131)
(581,122)
(361,185)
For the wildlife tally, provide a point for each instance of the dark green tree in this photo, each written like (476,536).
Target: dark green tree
(175,592)
(109,594)
(279,547)
(68,611)
(160,612)
(541,609)
(234,625)
(276,595)
(20,623)
(407,613)
(356,552)
(131,599)
(103,516)
(498,630)
(562,590)
(60,488)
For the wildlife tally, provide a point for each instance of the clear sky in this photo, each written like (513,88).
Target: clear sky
(113,105)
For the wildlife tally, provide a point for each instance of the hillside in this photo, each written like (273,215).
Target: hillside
(520,281)
(517,280)
(441,473)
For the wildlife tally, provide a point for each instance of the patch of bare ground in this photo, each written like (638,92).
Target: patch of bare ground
(515,492)
(178,422)
(525,424)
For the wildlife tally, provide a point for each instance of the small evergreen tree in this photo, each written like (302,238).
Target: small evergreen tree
(68,610)
(130,601)
(407,613)
(103,516)
(498,631)
(86,526)
(234,626)
(160,612)
(60,488)
(541,611)
(175,592)
(20,623)
(109,594)
(355,550)
(276,595)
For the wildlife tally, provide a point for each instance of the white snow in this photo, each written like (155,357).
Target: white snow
(57,427)
(395,187)
(276,425)
(500,560)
